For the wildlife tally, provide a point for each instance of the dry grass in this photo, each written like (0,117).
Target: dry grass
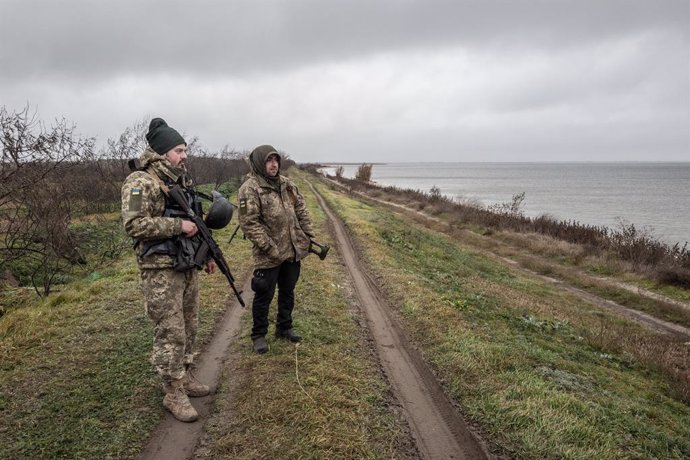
(667,264)
(530,364)
(325,398)
(75,377)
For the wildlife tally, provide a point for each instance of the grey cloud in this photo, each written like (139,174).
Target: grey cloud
(85,38)
(365,80)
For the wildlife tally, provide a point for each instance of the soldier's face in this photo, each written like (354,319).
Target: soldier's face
(177,155)
(272,165)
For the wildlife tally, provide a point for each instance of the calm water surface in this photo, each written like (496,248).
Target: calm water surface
(653,196)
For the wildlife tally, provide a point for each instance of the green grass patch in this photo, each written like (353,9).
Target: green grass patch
(607,290)
(75,377)
(339,407)
(543,373)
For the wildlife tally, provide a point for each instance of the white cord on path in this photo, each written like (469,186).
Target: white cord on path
(297,375)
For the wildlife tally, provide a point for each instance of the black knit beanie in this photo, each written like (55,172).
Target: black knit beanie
(162,137)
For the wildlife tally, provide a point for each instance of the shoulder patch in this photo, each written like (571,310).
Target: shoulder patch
(135,199)
(243,206)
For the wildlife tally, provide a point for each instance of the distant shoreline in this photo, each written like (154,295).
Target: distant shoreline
(352,163)
(652,195)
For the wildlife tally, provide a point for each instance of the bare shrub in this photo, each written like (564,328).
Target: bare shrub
(646,255)
(513,208)
(364,172)
(216,168)
(637,245)
(339,171)
(37,196)
(673,274)
(313,168)
(435,194)
(112,163)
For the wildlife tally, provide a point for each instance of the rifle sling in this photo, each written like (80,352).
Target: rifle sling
(152,173)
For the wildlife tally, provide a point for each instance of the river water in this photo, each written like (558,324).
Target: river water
(653,196)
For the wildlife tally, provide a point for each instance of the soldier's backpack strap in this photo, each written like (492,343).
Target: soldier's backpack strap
(161,184)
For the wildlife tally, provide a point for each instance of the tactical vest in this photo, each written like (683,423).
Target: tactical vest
(180,248)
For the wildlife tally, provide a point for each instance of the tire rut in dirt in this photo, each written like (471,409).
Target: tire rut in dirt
(438,429)
(173,439)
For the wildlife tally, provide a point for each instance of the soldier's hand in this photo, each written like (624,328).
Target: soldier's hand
(211,267)
(189,228)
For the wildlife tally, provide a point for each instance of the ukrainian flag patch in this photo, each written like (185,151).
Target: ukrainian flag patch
(135,199)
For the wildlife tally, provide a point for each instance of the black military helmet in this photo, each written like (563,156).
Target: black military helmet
(220,213)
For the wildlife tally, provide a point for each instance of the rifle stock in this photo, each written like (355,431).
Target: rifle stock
(208,245)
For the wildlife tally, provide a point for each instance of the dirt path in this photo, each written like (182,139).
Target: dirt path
(655,324)
(437,428)
(649,321)
(439,431)
(174,440)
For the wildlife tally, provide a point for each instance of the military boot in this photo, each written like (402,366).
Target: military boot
(177,402)
(289,334)
(193,387)
(260,344)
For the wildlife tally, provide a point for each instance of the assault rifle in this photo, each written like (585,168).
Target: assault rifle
(208,244)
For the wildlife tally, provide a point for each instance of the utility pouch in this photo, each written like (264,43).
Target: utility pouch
(202,254)
(150,248)
(184,259)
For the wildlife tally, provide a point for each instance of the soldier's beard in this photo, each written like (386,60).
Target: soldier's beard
(174,172)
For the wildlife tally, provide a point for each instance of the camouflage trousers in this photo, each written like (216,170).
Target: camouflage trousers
(172,303)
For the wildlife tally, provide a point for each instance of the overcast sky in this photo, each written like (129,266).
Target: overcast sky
(365,80)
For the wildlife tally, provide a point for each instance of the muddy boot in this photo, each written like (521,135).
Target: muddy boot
(289,334)
(193,387)
(260,344)
(177,402)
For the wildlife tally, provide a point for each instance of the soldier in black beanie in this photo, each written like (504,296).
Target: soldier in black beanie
(162,137)
(171,291)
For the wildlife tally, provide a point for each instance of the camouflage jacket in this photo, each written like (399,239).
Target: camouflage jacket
(277,222)
(143,204)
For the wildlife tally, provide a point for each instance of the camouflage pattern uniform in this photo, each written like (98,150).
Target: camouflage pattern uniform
(171,297)
(274,217)
(275,220)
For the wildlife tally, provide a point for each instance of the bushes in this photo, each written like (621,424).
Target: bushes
(53,186)
(38,197)
(646,255)
(364,172)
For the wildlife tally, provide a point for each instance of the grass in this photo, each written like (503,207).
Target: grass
(75,378)
(339,407)
(543,373)
(70,365)
(554,263)
(571,255)
(643,254)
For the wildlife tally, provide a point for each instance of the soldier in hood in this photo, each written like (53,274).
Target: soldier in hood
(163,239)
(274,217)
